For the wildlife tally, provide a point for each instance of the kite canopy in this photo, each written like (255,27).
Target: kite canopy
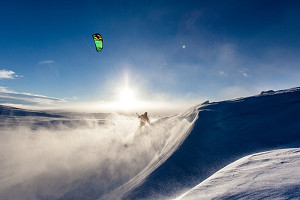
(98,41)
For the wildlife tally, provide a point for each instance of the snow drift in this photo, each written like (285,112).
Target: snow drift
(77,156)
(267,175)
(224,132)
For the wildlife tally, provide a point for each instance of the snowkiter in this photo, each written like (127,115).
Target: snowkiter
(144,119)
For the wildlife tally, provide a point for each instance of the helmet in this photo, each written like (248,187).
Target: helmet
(145,113)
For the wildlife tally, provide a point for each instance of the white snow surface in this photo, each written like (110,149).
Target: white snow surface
(267,175)
(224,132)
(105,156)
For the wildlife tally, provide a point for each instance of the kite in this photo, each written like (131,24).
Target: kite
(98,41)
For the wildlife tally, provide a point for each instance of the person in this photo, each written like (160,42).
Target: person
(144,119)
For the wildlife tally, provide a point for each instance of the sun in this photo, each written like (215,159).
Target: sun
(127,99)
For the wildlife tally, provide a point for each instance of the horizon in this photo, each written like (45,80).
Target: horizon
(156,110)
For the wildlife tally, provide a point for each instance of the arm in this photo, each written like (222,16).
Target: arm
(148,121)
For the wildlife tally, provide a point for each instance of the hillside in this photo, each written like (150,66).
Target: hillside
(224,132)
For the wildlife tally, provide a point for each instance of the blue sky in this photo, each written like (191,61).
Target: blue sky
(232,49)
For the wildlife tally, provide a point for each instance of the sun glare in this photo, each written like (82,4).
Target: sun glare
(127,99)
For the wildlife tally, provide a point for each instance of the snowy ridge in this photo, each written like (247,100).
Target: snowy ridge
(267,175)
(180,126)
(224,132)
(272,92)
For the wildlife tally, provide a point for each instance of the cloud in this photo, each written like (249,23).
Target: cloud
(8,74)
(3,89)
(243,72)
(73,98)
(12,97)
(46,62)
(222,73)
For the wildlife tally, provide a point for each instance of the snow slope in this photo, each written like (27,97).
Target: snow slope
(81,156)
(267,175)
(224,132)
(178,127)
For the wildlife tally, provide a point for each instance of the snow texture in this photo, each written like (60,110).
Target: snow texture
(267,175)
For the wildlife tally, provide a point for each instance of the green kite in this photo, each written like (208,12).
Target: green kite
(98,41)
